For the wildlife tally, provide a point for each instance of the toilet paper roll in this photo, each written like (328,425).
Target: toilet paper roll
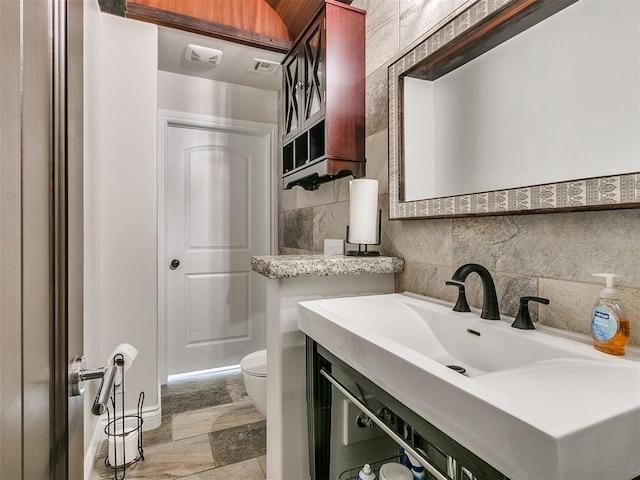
(363,211)
(129,352)
(123,446)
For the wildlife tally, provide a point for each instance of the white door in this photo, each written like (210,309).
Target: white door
(217,217)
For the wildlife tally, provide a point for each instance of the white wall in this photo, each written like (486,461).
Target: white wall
(123,91)
(120,199)
(207,97)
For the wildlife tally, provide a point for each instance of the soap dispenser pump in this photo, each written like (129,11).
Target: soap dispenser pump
(609,323)
(366,473)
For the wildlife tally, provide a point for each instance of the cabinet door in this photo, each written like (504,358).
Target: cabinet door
(292,83)
(314,45)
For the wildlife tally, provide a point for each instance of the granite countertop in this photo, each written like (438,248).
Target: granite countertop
(292,266)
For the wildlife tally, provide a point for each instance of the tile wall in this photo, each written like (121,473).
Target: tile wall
(549,255)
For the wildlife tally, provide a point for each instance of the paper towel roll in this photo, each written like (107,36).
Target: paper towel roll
(129,352)
(363,211)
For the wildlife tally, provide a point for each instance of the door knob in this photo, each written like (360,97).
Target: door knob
(175,263)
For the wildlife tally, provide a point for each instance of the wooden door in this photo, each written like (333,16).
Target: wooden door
(41,429)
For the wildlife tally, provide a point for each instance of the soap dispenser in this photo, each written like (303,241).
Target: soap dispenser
(609,323)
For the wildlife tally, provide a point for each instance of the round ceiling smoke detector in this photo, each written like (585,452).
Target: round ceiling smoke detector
(203,55)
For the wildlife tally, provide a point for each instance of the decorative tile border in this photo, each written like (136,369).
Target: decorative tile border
(585,194)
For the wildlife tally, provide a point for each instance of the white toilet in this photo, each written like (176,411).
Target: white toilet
(254,374)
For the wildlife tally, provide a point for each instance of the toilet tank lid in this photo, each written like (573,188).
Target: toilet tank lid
(255,363)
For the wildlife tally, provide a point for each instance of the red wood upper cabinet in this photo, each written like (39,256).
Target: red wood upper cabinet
(304,80)
(323,95)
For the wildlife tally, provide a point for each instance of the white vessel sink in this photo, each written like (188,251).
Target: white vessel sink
(539,404)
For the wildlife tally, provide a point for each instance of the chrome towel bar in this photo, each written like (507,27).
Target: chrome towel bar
(372,415)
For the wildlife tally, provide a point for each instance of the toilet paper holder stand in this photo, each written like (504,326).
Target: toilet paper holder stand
(365,252)
(123,431)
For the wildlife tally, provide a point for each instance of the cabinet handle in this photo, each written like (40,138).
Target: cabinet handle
(372,415)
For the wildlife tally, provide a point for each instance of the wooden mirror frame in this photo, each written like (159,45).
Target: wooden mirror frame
(482,26)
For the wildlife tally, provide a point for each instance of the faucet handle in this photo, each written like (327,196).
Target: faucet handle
(523,319)
(461,305)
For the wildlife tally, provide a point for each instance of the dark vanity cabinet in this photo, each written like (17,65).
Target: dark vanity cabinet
(329,458)
(323,99)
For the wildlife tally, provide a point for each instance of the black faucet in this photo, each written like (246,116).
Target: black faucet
(523,319)
(490,309)
(461,305)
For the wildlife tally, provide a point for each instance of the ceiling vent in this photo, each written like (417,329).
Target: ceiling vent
(203,55)
(266,67)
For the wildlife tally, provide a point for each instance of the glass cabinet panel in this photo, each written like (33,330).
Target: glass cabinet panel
(291,85)
(313,73)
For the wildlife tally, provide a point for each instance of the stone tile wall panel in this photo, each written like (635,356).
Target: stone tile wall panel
(549,255)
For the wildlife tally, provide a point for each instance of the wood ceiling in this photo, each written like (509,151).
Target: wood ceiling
(295,14)
(268,24)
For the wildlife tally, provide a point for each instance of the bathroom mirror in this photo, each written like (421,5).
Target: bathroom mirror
(519,106)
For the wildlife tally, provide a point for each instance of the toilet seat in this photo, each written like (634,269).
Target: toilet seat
(255,364)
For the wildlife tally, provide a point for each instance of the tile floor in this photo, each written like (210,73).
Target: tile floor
(210,431)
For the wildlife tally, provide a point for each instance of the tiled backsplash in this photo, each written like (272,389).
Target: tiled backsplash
(550,255)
